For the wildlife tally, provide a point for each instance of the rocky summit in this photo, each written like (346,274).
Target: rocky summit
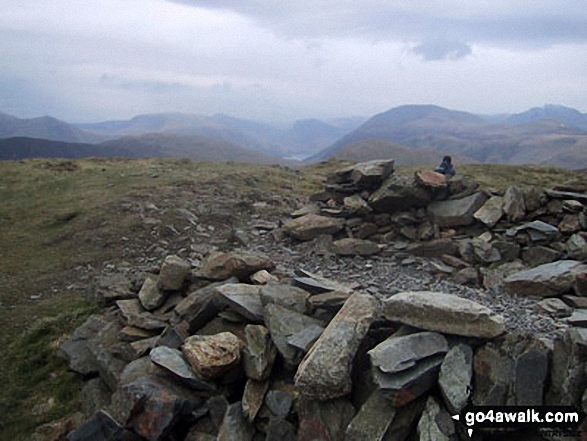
(375,310)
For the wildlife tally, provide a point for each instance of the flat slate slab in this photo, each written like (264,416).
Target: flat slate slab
(548,280)
(456,212)
(447,313)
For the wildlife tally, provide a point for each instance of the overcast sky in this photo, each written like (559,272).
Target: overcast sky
(82,60)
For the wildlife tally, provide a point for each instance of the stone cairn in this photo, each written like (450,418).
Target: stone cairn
(232,351)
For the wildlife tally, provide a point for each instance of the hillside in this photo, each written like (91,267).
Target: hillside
(530,140)
(371,149)
(44,127)
(146,146)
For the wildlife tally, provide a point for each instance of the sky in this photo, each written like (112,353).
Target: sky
(277,61)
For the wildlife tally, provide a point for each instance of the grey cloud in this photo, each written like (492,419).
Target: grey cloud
(442,50)
(120,82)
(527,23)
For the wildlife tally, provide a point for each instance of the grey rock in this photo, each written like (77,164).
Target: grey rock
(509,251)
(371,174)
(513,204)
(539,255)
(135,315)
(445,313)
(288,296)
(399,193)
(263,277)
(331,301)
(244,299)
(355,247)
(491,212)
(200,306)
(578,318)
(466,276)
(235,426)
(397,354)
(582,197)
(457,211)
(304,339)
(433,248)
(279,429)
(102,427)
(324,420)
(79,357)
(404,421)
(310,226)
(372,420)
(405,386)
(576,247)
(138,368)
(282,324)
(95,395)
(546,280)
(150,295)
(357,204)
(279,402)
(104,348)
(172,361)
(110,288)
(436,423)
(568,376)
(555,307)
(455,377)
(537,230)
(534,198)
(142,347)
(173,273)
(259,352)
(221,266)
(253,398)
(325,371)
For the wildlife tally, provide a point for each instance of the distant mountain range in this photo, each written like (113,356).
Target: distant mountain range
(549,135)
(198,148)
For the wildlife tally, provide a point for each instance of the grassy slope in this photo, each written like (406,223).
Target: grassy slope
(57,216)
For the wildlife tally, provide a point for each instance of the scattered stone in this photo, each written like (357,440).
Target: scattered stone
(316,284)
(235,426)
(259,352)
(575,301)
(324,420)
(567,195)
(79,357)
(95,395)
(399,193)
(311,226)
(491,212)
(253,397)
(455,377)
(457,211)
(555,307)
(102,427)
(539,255)
(263,277)
(221,266)
(372,420)
(150,295)
(578,318)
(534,198)
(576,247)
(104,348)
(173,362)
(142,347)
(173,273)
(135,315)
(244,299)
(466,276)
(537,230)
(212,355)
(282,324)
(436,423)
(355,247)
(279,403)
(110,288)
(546,280)
(304,339)
(325,371)
(443,313)
(513,204)
(288,296)
(357,204)
(569,224)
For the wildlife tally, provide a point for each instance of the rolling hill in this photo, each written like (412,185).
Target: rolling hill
(44,127)
(153,145)
(531,140)
(371,149)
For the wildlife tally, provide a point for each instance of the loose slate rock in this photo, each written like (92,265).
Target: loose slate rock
(372,420)
(397,354)
(212,355)
(324,420)
(235,426)
(456,374)
(435,423)
(150,295)
(221,266)
(445,313)
(513,204)
(173,273)
(325,371)
(259,352)
(546,280)
(244,299)
(288,296)
(456,211)
(578,318)
(491,212)
(102,427)
(253,397)
(311,226)
(355,247)
(172,361)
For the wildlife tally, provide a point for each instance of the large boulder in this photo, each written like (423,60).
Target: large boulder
(311,226)
(325,371)
(445,313)
(550,279)
(491,212)
(455,212)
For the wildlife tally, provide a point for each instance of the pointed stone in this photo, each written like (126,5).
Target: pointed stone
(253,398)
(456,375)
(325,371)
